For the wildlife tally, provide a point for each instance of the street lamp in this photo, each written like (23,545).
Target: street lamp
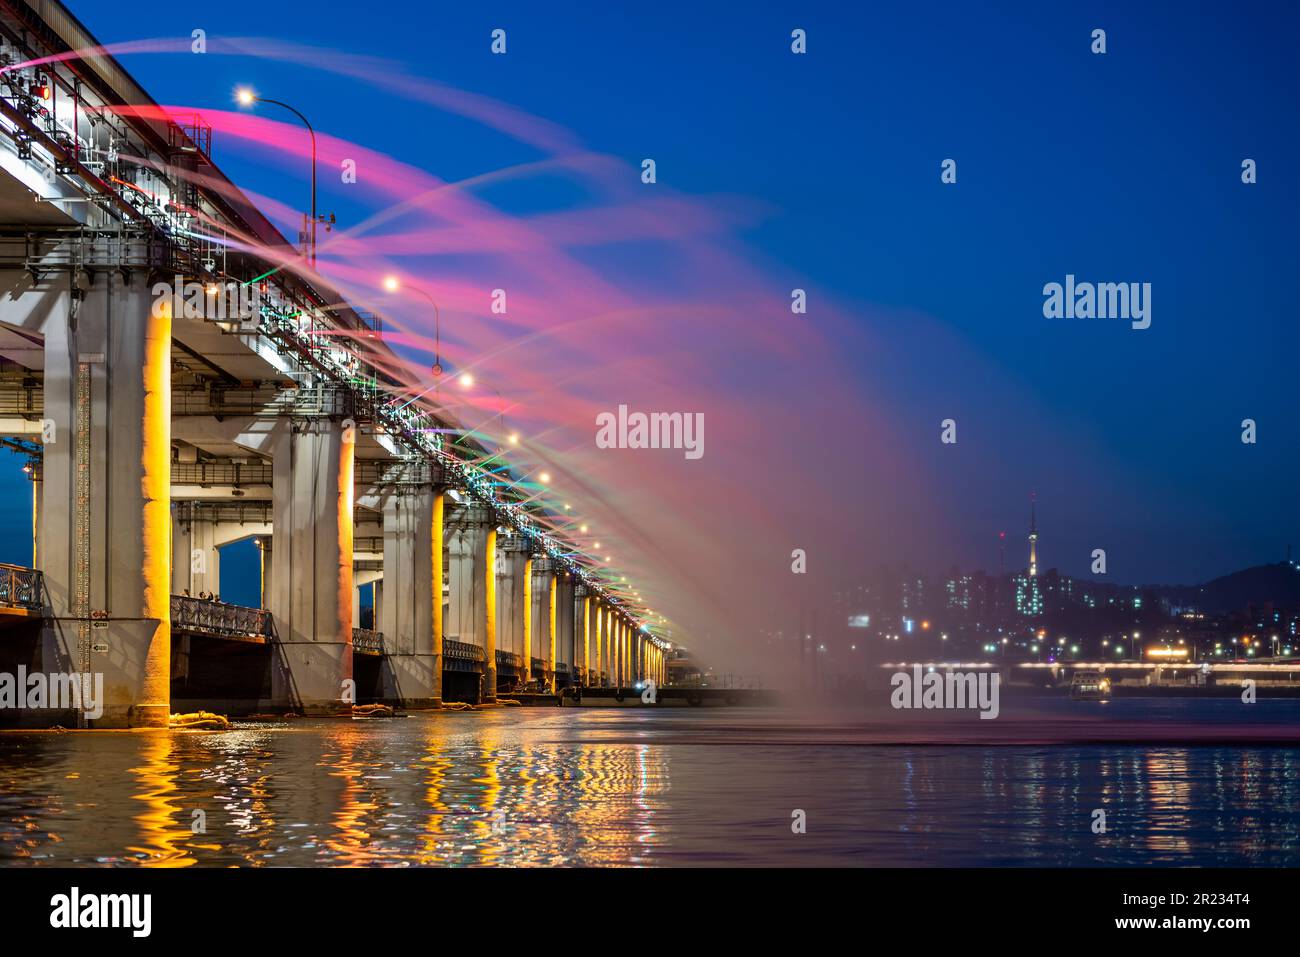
(392,284)
(247,97)
(466,381)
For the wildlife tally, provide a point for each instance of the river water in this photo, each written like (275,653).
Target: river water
(671,786)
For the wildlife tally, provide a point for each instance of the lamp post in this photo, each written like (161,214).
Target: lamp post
(392,284)
(467,381)
(247,97)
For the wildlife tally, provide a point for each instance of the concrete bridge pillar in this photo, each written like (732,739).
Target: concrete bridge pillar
(196,560)
(563,601)
(512,565)
(606,644)
(471,543)
(598,640)
(410,677)
(616,651)
(106,492)
(622,653)
(620,656)
(543,615)
(581,636)
(311,581)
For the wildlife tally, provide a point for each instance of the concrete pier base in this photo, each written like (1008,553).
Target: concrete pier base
(543,617)
(311,581)
(511,567)
(469,529)
(105,511)
(410,675)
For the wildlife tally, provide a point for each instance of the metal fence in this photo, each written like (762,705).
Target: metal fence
(462,650)
(218,618)
(20,587)
(367,641)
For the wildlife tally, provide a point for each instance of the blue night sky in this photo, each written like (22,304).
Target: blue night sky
(1122,167)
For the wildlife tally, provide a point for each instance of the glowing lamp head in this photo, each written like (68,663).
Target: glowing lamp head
(514,439)
(466,380)
(244,96)
(544,478)
(391,283)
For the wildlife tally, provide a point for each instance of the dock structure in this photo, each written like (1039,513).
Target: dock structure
(181,378)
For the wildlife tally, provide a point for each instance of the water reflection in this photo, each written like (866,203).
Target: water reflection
(160,778)
(627,788)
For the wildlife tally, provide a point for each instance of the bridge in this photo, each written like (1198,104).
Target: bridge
(163,423)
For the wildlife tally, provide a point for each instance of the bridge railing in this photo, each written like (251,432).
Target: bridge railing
(462,650)
(219,618)
(508,659)
(367,641)
(20,587)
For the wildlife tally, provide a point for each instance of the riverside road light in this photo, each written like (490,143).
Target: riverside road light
(393,284)
(246,97)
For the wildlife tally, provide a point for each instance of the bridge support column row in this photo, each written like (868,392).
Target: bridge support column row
(105,513)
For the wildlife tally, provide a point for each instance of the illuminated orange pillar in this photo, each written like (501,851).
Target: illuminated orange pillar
(622,653)
(105,536)
(550,654)
(599,642)
(153,707)
(586,641)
